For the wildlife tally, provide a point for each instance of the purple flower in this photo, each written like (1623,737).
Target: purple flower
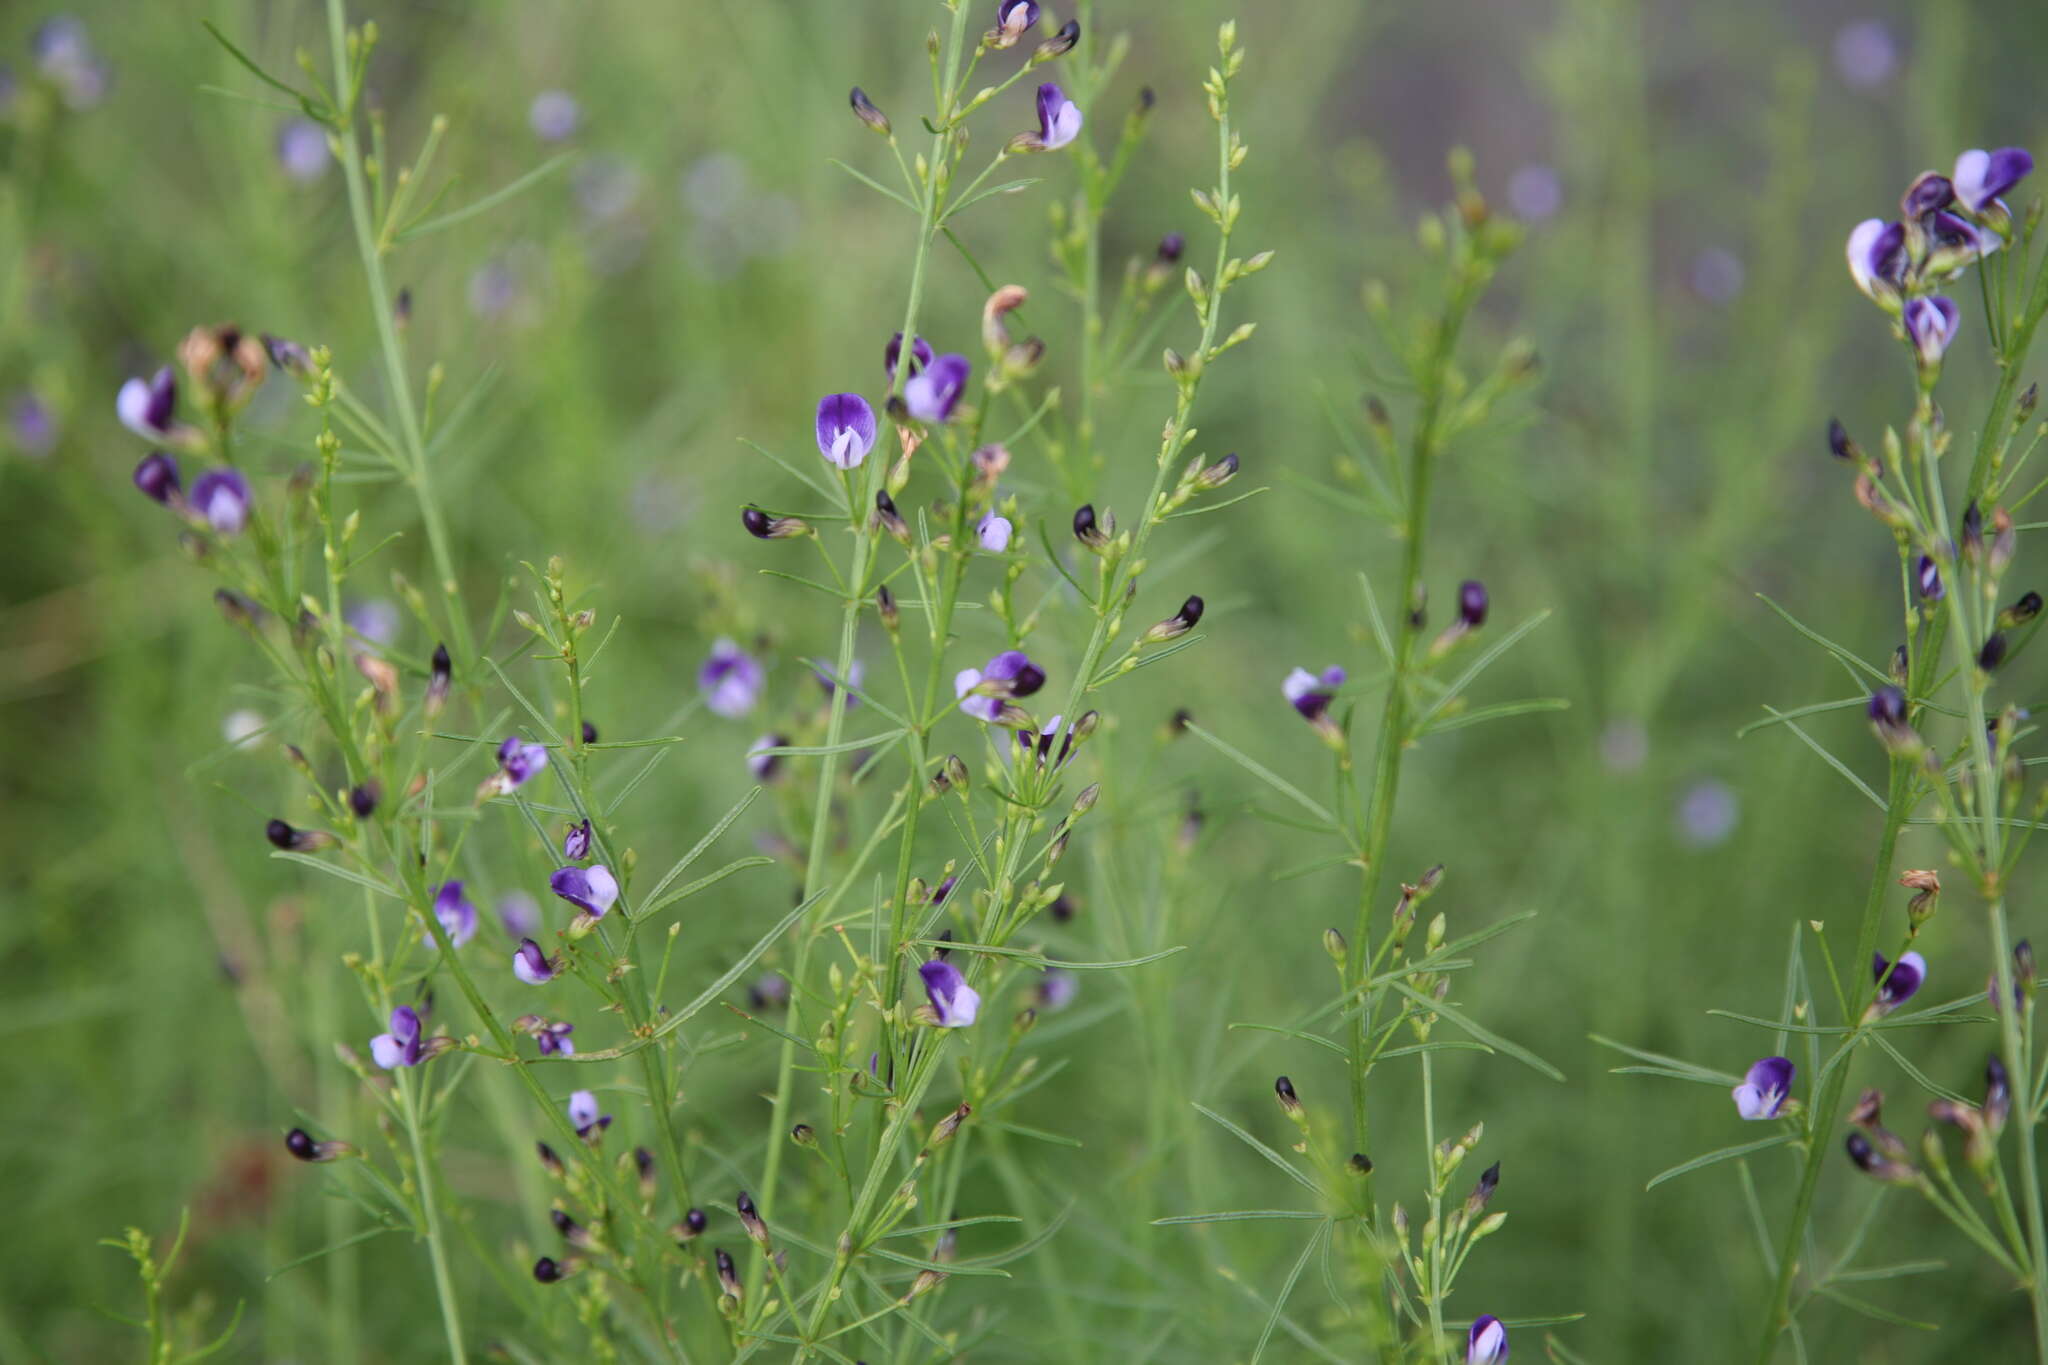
(157,477)
(1014,18)
(64,53)
(31,420)
(954,1002)
(920,354)
(221,496)
(1535,193)
(1311,694)
(533,966)
(1905,979)
(1929,575)
(518,762)
(1487,1342)
(1056,989)
(401,1046)
(1931,325)
(576,843)
(760,763)
(375,619)
(583,1113)
(145,405)
(591,889)
(770,990)
(1763,1091)
(1009,674)
(994,533)
(730,679)
(846,429)
(553,115)
(519,913)
(1039,746)
(1929,192)
(856,671)
(1059,118)
(1981,176)
(457,915)
(1877,259)
(1472,603)
(302,152)
(933,392)
(1865,54)
(553,1039)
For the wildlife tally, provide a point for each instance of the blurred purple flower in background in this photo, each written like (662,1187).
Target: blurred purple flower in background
(554,115)
(65,57)
(145,405)
(519,913)
(931,393)
(302,150)
(1717,275)
(920,354)
(730,679)
(1865,54)
(221,496)
(1535,193)
(1708,812)
(31,425)
(457,915)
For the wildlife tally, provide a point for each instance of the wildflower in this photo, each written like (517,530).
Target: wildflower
(1981,177)
(1057,989)
(1897,987)
(457,915)
(864,109)
(920,355)
(533,966)
(763,525)
(548,1270)
(1839,444)
(856,672)
(846,429)
(1472,603)
(553,1039)
(302,152)
(519,913)
(519,762)
(1878,260)
(1014,19)
(1170,248)
(769,991)
(1992,652)
(1091,531)
(64,54)
(1931,325)
(1312,694)
(1928,576)
(590,889)
(302,1145)
(728,1275)
(157,477)
(1872,1162)
(1176,625)
(934,391)
(1997,1096)
(583,1113)
(1865,55)
(1707,813)
(1039,745)
(760,762)
(954,1003)
(403,1045)
(730,679)
(553,115)
(221,498)
(994,533)
(1487,1342)
(1535,193)
(1009,674)
(1952,243)
(1059,121)
(1765,1088)
(576,843)
(1929,193)
(1887,711)
(440,674)
(282,835)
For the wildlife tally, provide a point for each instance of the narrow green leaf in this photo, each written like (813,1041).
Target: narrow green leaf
(877,186)
(1300,1034)
(1039,960)
(1261,1148)
(1849,657)
(706,882)
(337,870)
(1479,665)
(488,202)
(1287,1290)
(1833,762)
(1234,1216)
(1871,1310)
(1265,775)
(1483,1034)
(1714,1157)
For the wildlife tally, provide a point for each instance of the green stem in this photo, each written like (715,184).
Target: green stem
(437,1251)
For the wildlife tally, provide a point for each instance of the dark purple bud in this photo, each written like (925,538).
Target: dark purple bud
(589,733)
(439,677)
(1993,652)
(362,799)
(1360,1164)
(1472,603)
(728,1277)
(1061,43)
(767,526)
(864,109)
(1877,1165)
(1929,191)
(1089,530)
(547,1270)
(157,477)
(1171,246)
(750,1218)
(1973,532)
(548,1159)
(1839,443)
(2024,610)
(1489,1181)
(1929,578)
(302,1145)
(573,1232)
(1997,1095)
(401,310)
(221,498)
(1283,1088)
(289,356)
(1062,908)
(887,518)
(694,1223)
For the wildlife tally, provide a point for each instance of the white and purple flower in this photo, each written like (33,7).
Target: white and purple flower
(145,406)
(1878,260)
(576,843)
(1014,19)
(846,429)
(1765,1088)
(982,691)
(1059,119)
(302,152)
(533,966)
(1487,1342)
(920,354)
(1931,324)
(403,1046)
(933,392)
(1311,693)
(583,1113)
(1982,177)
(994,533)
(1901,983)
(220,498)
(456,913)
(954,1003)
(553,1039)
(592,890)
(731,679)
(157,478)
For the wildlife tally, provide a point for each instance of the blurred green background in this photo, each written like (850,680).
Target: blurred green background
(702,273)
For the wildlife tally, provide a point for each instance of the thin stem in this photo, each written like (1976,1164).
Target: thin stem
(437,1252)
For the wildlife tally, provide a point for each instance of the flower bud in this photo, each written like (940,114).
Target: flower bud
(864,109)
(1176,625)
(1290,1103)
(302,1145)
(766,526)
